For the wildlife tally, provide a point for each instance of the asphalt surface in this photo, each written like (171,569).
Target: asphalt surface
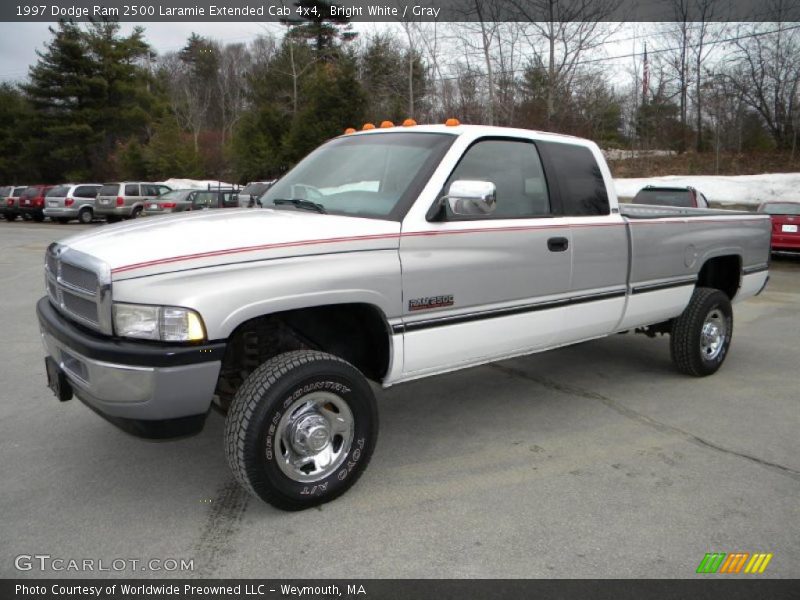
(597,460)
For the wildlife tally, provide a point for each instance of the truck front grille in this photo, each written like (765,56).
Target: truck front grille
(79,286)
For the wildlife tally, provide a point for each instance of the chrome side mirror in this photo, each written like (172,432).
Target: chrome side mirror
(469,197)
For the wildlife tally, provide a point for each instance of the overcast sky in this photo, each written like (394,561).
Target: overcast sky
(20,41)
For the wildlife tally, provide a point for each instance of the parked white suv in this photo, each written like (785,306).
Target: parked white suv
(72,201)
(126,199)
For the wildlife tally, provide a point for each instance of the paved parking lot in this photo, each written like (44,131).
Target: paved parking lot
(597,460)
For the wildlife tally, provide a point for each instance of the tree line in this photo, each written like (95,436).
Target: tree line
(100,105)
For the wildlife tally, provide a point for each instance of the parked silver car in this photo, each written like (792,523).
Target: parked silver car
(126,199)
(72,201)
(187,200)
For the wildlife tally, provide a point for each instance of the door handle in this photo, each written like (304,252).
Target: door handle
(557,244)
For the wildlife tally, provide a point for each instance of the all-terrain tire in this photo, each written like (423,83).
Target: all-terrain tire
(708,317)
(266,403)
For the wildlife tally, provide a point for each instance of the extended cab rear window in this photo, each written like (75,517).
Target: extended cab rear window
(663,198)
(580,181)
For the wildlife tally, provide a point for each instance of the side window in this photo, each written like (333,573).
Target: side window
(149,190)
(583,191)
(516,171)
(86,191)
(131,189)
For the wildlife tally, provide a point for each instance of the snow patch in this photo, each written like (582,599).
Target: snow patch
(194,184)
(724,189)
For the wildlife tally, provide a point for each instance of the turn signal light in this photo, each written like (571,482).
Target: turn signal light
(349,130)
(368,126)
(452,122)
(386,124)
(69,202)
(120,201)
(409,123)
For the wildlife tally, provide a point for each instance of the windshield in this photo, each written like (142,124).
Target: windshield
(365,175)
(663,197)
(784,208)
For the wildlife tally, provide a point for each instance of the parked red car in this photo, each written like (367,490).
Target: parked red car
(785,223)
(31,202)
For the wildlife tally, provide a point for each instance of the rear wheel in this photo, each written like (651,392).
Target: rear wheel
(136,212)
(85,216)
(301,429)
(701,336)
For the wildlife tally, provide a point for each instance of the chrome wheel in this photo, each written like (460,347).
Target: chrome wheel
(712,335)
(314,436)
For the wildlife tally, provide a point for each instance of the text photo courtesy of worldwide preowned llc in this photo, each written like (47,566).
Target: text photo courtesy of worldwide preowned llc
(347,298)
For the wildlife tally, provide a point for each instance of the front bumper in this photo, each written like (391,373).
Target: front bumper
(148,389)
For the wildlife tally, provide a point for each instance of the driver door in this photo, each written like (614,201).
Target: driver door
(481,287)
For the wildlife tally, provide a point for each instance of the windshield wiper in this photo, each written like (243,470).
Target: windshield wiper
(298,203)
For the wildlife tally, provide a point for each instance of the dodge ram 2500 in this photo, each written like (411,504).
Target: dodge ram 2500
(385,255)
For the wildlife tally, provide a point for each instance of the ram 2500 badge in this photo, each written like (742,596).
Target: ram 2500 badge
(385,256)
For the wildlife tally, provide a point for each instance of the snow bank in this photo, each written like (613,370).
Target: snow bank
(194,184)
(724,189)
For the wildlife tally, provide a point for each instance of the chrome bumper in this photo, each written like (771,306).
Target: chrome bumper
(133,392)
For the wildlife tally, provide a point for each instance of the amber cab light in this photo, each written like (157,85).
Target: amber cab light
(409,123)
(452,122)
(386,124)
(368,126)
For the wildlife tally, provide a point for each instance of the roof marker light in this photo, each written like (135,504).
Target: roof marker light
(367,127)
(409,123)
(386,124)
(349,130)
(452,122)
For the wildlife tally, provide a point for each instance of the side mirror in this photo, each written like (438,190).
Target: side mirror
(468,197)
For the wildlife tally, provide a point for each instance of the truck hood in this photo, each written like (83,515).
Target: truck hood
(153,245)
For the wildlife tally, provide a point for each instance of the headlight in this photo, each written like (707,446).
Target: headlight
(164,323)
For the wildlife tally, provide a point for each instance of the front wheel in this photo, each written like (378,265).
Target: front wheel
(701,336)
(301,429)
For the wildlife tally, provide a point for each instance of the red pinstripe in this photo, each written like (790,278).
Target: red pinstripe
(359,238)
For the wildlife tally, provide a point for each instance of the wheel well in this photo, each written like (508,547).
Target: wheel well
(722,273)
(358,333)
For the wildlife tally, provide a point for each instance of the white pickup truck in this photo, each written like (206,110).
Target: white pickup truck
(385,255)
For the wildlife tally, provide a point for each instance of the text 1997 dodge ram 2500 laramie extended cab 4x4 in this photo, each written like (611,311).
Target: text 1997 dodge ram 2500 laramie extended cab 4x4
(385,255)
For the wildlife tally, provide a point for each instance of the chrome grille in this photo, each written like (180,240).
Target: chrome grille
(80,278)
(86,309)
(79,286)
